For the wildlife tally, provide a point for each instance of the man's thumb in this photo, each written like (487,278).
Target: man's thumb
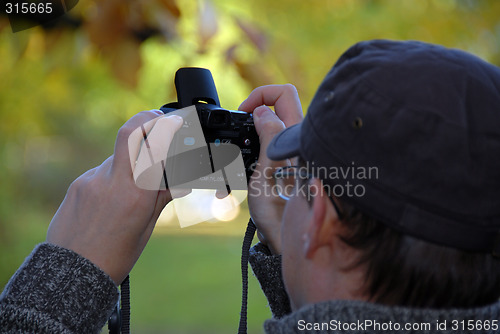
(267,124)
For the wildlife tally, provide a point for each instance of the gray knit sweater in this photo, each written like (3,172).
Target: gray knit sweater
(58,291)
(344,316)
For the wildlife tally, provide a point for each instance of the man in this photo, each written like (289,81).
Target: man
(389,218)
(417,248)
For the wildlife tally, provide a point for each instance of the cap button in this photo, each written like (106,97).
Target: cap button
(357,123)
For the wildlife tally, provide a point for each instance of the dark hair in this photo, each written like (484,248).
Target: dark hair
(403,270)
(406,271)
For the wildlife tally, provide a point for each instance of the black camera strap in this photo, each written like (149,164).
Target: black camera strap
(119,322)
(245,253)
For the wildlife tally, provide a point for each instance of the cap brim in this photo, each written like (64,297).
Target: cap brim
(285,144)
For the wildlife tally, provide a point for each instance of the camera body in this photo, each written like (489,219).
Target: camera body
(195,86)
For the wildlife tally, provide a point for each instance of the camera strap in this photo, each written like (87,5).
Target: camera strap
(119,322)
(245,253)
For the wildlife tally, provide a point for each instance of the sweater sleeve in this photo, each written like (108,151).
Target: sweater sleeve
(267,269)
(57,291)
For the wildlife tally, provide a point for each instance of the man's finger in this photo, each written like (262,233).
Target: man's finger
(284,98)
(122,159)
(267,125)
(153,151)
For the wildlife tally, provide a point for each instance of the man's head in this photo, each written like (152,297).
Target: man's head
(415,127)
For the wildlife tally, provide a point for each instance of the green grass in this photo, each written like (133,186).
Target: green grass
(191,284)
(186,281)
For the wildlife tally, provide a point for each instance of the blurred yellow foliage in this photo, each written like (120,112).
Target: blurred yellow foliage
(66,88)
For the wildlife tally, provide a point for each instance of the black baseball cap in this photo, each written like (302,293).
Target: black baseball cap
(427,119)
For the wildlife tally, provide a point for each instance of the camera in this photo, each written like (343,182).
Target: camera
(224,134)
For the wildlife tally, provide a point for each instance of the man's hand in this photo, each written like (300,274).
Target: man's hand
(105,217)
(265,207)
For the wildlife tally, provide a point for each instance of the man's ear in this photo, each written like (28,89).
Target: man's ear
(323,220)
